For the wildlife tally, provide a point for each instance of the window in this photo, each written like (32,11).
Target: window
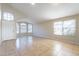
(29,28)
(65,27)
(58,28)
(69,27)
(17,27)
(23,27)
(0,14)
(8,16)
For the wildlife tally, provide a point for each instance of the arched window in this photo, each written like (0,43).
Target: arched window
(8,16)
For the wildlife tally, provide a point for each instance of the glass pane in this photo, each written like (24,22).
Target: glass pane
(58,28)
(8,16)
(30,28)
(69,27)
(17,28)
(23,27)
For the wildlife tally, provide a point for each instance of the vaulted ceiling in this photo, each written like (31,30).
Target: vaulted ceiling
(46,11)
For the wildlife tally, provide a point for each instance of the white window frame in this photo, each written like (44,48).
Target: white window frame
(8,16)
(62,32)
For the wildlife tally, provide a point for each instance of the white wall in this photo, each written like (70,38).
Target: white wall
(45,29)
(41,30)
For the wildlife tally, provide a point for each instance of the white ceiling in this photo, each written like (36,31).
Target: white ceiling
(46,11)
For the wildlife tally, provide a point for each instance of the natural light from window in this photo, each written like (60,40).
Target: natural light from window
(8,16)
(17,28)
(58,28)
(29,28)
(65,27)
(23,27)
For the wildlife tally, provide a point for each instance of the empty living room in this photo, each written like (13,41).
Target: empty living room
(39,29)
